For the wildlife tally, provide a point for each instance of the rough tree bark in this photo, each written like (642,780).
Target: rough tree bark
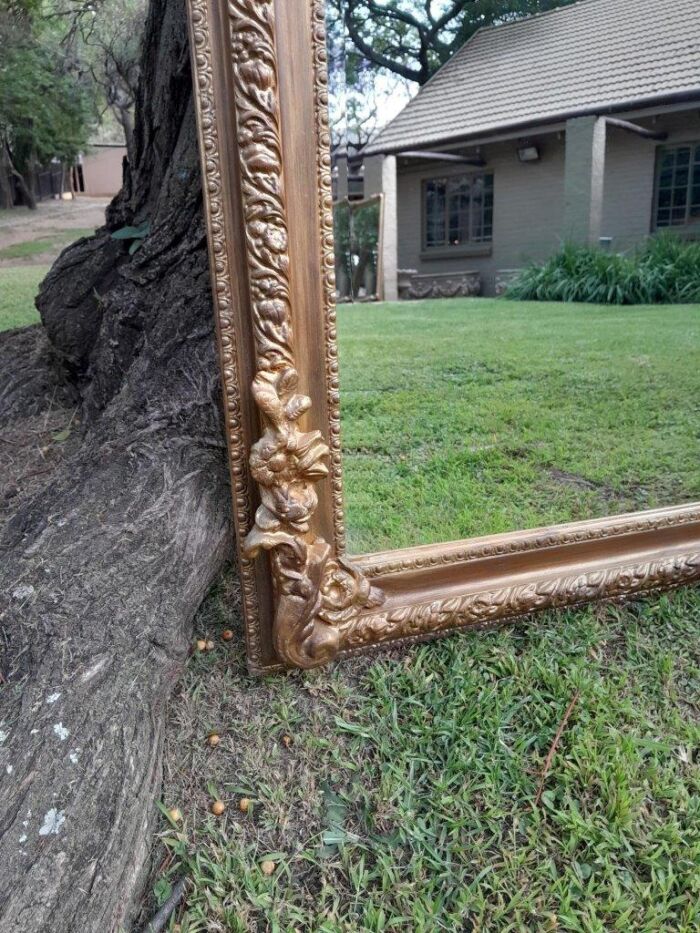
(102,570)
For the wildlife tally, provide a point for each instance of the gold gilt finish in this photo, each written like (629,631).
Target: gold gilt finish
(261,95)
(313,593)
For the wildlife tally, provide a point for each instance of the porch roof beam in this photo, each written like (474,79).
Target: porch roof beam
(635,128)
(442,157)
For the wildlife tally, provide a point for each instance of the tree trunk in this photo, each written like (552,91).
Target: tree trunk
(102,570)
(122,112)
(6,199)
(25,187)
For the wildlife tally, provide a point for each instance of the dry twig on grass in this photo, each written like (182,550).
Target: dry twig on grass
(553,748)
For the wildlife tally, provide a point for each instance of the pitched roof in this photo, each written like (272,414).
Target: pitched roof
(592,56)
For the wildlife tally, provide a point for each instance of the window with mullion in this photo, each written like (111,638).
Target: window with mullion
(678,187)
(458,211)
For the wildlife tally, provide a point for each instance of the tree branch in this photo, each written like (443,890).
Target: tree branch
(411,74)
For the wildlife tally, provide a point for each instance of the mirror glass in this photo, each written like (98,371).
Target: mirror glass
(517,212)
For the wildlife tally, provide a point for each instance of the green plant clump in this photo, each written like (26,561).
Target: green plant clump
(665,270)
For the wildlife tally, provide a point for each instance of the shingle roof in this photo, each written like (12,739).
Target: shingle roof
(588,57)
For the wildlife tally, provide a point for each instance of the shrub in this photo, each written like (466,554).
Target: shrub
(666,270)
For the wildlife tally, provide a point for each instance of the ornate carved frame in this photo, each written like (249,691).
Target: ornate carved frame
(261,97)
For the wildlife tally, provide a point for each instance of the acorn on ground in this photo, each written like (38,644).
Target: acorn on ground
(267,867)
(218,807)
(175,814)
(227,634)
(244,804)
(213,739)
(201,645)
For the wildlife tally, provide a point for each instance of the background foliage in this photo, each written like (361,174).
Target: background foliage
(666,270)
(64,64)
(413,38)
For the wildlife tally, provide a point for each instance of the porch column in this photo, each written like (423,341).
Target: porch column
(584,179)
(380,177)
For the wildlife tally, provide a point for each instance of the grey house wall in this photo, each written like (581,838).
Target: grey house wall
(529,199)
(527,213)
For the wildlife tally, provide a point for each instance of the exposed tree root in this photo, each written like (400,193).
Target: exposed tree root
(104,562)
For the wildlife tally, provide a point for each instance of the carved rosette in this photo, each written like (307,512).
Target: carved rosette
(314,594)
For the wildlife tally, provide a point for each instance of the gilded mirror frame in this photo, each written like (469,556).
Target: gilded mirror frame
(261,94)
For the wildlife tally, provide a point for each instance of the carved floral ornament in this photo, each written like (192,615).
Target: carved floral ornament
(315,595)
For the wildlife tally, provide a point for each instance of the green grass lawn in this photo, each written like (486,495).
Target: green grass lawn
(423,790)
(470,417)
(43,244)
(400,793)
(18,286)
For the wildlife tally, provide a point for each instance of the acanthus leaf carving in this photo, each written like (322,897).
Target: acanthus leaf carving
(315,594)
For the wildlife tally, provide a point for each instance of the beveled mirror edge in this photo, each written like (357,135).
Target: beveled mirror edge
(304,602)
(522,541)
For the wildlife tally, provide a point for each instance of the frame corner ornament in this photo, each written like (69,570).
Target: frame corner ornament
(316,594)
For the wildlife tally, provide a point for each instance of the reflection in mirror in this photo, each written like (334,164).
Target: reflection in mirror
(357,227)
(522,192)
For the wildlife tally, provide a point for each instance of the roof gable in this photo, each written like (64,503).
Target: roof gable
(591,56)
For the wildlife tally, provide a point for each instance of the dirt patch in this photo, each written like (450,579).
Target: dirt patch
(575,480)
(632,493)
(21,225)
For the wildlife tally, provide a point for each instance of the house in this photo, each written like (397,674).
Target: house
(581,124)
(98,172)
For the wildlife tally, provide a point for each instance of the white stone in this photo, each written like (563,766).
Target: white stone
(52,699)
(61,731)
(53,820)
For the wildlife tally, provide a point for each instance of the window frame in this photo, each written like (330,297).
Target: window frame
(467,247)
(688,224)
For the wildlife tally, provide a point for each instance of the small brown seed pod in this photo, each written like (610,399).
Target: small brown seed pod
(218,807)
(267,867)
(227,634)
(244,804)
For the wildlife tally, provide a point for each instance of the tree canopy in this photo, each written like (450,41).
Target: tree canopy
(44,99)
(413,38)
(107,39)
(65,62)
